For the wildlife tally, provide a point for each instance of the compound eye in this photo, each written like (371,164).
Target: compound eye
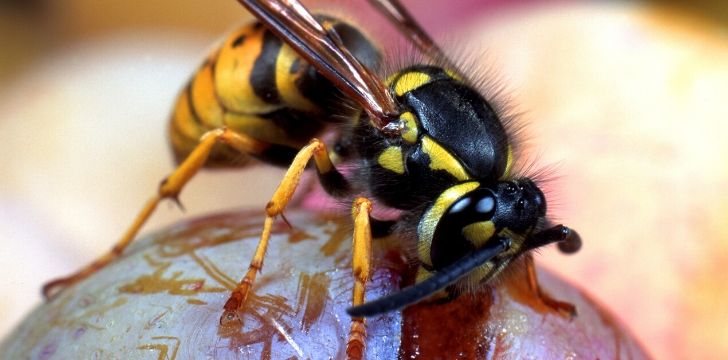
(460,205)
(486,205)
(478,205)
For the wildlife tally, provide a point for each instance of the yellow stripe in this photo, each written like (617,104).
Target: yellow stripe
(509,163)
(428,223)
(181,145)
(204,99)
(478,233)
(391,159)
(422,275)
(286,81)
(232,74)
(410,127)
(453,75)
(441,159)
(410,81)
(183,121)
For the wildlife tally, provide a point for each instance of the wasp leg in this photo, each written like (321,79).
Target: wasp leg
(566,309)
(332,181)
(361,268)
(168,189)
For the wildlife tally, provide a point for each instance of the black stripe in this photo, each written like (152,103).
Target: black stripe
(213,69)
(191,104)
(263,75)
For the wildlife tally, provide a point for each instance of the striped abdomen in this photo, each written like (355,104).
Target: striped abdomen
(258,86)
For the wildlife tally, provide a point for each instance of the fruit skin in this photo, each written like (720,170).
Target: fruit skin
(164,298)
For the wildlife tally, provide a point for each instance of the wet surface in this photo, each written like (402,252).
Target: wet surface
(163,300)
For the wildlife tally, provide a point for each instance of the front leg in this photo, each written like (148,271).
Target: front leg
(361,266)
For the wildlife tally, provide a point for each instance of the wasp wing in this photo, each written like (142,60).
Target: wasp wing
(322,48)
(398,15)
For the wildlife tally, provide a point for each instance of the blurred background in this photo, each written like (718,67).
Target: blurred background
(625,100)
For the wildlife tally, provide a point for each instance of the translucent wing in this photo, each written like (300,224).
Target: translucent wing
(323,49)
(398,15)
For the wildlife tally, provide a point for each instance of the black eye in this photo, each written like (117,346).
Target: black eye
(478,205)
(485,205)
(450,242)
(459,206)
(511,188)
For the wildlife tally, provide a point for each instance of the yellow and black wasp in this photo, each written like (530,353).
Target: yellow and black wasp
(424,141)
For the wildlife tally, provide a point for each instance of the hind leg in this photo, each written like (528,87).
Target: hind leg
(168,189)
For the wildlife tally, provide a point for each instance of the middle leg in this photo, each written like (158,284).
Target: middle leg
(361,266)
(333,182)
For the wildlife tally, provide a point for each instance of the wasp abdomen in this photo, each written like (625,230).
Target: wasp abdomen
(256,85)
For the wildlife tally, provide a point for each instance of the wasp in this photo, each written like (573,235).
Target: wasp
(422,140)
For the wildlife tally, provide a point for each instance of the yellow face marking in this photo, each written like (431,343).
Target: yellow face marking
(428,224)
(410,81)
(478,233)
(441,159)
(422,275)
(509,163)
(286,81)
(391,159)
(410,127)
